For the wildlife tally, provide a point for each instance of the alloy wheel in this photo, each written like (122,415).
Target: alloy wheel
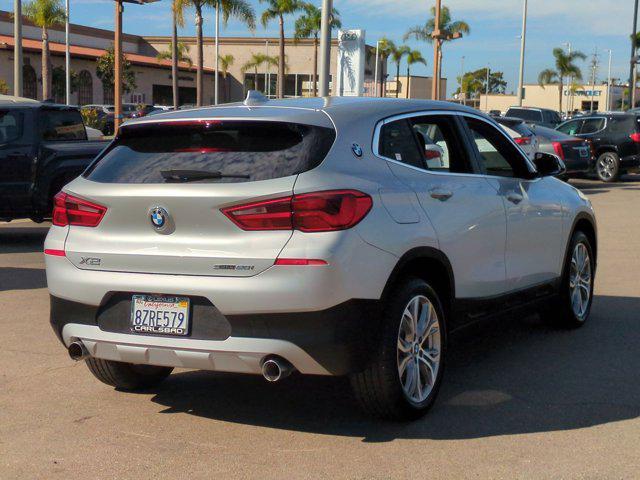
(418,350)
(580,280)
(606,166)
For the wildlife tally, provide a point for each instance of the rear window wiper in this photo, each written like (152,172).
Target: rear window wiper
(183,176)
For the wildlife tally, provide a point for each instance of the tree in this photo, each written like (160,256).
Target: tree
(45,14)
(308,25)
(475,83)
(385,49)
(565,67)
(277,9)
(105,67)
(397,53)
(447,26)
(413,57)
(183,53)
(225,62)
(239,9)
(258,59)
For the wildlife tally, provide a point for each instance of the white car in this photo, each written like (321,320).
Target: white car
(93,133)
(327,236)
(521,134)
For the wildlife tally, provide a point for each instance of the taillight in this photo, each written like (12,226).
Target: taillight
(557,147)
(431,154)
(635,137)
(310,212)
(70,210)
(523,140)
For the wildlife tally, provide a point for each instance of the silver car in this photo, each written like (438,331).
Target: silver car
(319,236)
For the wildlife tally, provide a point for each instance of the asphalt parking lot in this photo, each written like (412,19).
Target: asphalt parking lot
(520,399)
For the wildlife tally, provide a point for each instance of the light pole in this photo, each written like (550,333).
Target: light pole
(523,39)
(325,47)
(632,68)
(215,81)
(486,93)
(17,48)
(375,75)
(464,102)
(570,83)
(594,67)
(609,82)
(67,56)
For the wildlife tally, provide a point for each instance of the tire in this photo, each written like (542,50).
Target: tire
(608,167)
(383,389)
(565,313)
(127,376)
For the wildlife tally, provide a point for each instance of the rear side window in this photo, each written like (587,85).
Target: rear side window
(61,125)
(625,125)
(240,151)
(397,142)
(11,124)
(525,114)
(551,117)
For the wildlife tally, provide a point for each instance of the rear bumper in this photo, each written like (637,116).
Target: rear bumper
(329,342)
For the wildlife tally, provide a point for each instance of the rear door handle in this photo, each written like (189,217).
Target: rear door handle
(515,198)
(440,194)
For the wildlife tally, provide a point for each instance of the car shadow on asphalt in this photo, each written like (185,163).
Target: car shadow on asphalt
(513,376)
(12,278)
(22,239)
(627,182)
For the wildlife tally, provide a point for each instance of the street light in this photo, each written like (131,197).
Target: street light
(438,37)
(609,82)
(67,56)
(523,40)
(17,48)
(117,53)
(375,76)
(325,47)
(632,68)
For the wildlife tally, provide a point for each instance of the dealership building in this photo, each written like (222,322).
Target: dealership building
(153,77)
(579,98)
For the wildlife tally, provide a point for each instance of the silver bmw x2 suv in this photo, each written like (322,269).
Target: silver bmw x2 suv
(335,236)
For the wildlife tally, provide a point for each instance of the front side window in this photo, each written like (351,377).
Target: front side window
(10,126)
(571,128)
(497,155)
(592,125)
(61,125)
(438,140)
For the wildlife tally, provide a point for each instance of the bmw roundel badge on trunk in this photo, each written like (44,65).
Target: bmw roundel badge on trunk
(158,217)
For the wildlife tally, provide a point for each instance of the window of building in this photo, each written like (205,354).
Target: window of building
(108,94)
(29,82)
(85,88)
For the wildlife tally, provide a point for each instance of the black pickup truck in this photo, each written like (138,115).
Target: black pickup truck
(43,146)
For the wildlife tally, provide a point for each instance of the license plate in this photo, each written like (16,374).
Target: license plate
(160,315)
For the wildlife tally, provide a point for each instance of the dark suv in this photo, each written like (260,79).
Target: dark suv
(535,116)
(616,142)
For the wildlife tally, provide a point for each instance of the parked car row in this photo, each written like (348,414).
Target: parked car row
(106,113)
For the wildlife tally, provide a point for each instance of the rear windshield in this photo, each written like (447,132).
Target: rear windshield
(522,129)
(525,114)
(255,150)
(61,125)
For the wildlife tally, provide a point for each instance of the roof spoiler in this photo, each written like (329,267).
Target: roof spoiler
(254,97)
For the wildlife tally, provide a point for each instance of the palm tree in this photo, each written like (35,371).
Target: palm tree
(308,25)
(565,67)
(256,60)
(183,53)
(448,27)
(385,48)
(230,8)
(225,62)
(45,14)
(396,55)
(278,9)
(413,57)
(239,9)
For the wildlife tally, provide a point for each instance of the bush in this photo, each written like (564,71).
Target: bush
(90,118)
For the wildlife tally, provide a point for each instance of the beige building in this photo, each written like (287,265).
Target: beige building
(299,55)
(549,97)
(417,87)
(152,76)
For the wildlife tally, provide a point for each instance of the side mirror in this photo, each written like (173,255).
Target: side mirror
(549,165)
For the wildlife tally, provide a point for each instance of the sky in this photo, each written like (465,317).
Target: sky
(494,39)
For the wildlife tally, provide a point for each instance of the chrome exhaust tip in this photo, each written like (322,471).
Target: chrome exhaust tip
(275,369)
(77,351)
